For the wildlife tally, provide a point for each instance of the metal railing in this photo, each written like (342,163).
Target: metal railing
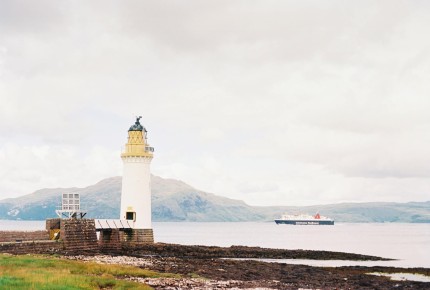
(116,224)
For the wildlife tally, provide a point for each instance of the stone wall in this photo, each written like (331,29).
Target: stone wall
(19,236)
(43,247)
(109,241)
(76,236)
(79,235)
(137,236)
(53,224)
(73,236)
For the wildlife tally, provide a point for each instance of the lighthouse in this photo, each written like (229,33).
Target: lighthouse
(136,184)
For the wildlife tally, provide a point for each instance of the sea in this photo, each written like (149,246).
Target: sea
(408,244)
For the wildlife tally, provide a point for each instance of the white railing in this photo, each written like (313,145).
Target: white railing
(103,224)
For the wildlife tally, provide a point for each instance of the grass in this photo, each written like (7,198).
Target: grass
(50,272)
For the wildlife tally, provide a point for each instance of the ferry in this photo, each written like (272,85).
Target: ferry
(303,219)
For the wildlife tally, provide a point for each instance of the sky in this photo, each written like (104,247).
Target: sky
(271,102)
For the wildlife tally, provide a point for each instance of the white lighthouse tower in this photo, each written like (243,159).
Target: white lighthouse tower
(136,184)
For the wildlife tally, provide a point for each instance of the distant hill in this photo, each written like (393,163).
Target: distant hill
(174,200)
(371,212)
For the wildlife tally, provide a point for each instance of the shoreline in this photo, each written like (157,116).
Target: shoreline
(238,252)
(210,267)
(220,273)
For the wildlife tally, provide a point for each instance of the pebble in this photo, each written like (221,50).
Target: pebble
(162,283)
(106,259)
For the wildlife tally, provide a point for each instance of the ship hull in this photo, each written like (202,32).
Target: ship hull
(306,222)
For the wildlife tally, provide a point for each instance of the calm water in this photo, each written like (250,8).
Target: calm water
(410,243)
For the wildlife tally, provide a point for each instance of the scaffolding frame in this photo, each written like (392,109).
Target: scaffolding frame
(70,207)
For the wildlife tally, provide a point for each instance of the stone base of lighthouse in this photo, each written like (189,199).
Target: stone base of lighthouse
(137,236)
(114,239)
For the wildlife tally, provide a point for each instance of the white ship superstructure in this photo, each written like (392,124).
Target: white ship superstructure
(304,219)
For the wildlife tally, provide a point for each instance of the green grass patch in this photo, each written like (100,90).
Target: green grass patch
(50,272)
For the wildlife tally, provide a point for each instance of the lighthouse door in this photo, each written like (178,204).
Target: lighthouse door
(130,215)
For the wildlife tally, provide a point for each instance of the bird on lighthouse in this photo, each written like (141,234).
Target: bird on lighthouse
(136,183)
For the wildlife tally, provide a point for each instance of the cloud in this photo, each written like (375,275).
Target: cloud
(295,102)
(28,168)
(28,17)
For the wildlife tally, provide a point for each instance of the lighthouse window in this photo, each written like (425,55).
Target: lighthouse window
(130,215)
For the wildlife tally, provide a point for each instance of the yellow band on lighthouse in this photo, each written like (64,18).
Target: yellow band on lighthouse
(137,146)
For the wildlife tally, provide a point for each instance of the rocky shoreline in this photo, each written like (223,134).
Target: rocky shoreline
(203,267)
(237,252)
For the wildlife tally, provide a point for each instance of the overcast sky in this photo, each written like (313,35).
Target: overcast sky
(271,102)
